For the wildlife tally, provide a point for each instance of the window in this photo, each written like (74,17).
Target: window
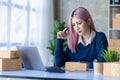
(26,23)
(18,21)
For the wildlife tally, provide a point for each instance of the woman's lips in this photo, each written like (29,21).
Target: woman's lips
(79,31)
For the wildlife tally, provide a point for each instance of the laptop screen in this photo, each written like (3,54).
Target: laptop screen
(31,58)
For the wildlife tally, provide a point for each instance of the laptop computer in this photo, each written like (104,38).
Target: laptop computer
(32,60)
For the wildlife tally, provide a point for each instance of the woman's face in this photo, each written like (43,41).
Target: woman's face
(79,25)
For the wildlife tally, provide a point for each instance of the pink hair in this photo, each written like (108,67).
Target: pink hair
(83,14)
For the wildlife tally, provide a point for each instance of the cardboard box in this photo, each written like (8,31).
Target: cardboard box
(10,64)
(114,44)
(9,54)
(111,69)
(116,23)
(76,66)
(117,16)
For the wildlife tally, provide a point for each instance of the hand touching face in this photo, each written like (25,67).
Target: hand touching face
(62,34)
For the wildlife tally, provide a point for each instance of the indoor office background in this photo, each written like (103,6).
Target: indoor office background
(30,22)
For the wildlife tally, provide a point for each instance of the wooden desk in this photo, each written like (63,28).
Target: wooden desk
(33,74)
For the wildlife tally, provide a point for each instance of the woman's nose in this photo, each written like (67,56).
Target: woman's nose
(77,27)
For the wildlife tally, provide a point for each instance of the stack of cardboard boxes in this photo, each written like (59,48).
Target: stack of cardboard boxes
(113,69)
(114,44)
(10,60)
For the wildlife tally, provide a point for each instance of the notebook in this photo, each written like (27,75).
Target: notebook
(32,60)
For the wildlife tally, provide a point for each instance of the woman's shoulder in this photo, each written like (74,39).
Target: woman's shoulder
(100,34)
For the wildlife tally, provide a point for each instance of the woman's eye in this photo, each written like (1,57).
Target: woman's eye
(79,23)
(73,25)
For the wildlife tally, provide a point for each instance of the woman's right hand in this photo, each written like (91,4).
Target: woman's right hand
(62,34)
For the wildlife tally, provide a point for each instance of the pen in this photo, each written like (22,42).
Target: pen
(66,29)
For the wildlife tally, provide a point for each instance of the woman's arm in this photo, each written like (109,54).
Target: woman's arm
(102,44)
(60,56)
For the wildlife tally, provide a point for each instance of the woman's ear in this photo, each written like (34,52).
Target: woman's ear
(89,21)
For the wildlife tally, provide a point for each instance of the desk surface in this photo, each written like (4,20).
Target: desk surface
(33,74)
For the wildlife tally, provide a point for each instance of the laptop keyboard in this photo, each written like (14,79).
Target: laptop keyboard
(55,69)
